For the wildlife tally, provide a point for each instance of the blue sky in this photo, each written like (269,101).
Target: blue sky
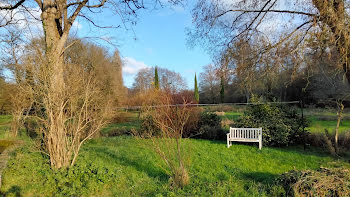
(160,41)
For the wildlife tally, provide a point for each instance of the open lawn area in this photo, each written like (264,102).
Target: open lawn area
(125,166)
(319,120)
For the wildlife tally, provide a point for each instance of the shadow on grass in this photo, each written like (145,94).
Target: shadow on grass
(138,163)
(261,177)
(298,149)
(13,191)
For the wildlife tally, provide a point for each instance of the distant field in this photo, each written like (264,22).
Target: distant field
(125,166)
(318,125)
(319,120)
(131,121)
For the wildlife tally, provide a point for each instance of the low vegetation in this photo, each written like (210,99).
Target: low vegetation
(125,166)
(281,126)
(320,182)
(4,144)
(129,166)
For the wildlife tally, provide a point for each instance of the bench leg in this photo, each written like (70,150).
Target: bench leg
(228,143)
(260,145)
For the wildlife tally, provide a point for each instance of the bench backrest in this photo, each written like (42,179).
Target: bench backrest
(245,133)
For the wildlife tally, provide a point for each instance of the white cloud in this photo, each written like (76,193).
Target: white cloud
(132,66)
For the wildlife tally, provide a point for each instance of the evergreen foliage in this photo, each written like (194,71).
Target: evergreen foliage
(196,93)
(156,78)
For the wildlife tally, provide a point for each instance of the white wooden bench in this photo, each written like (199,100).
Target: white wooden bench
(244,135)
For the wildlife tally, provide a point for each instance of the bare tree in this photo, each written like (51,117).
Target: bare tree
(209,84)
(143,80)
(57,18)
(169,81)
(220,23)
(19,91)
(327,84)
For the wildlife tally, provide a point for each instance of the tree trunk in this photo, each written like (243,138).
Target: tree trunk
(56,141)
(340,116)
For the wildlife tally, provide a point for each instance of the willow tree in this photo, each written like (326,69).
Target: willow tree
(219,24)
(57,17)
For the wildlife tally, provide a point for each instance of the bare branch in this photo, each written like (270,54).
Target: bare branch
(94,24)
(12,7)
(88,6)
(271,11)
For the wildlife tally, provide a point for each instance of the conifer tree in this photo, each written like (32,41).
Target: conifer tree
(156,78)
(196,93)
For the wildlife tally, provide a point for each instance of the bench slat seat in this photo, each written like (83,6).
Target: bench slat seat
(244,135)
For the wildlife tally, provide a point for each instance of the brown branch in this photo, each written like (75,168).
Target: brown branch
(272,11)
(12,7)
(96,25)
(288,36)
(88,6)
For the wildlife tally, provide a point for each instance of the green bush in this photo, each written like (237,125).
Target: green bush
(149,127)
(209,126)
(281,125)
(203,125)
(32,127)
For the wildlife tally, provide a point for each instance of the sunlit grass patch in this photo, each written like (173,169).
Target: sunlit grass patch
(125,166)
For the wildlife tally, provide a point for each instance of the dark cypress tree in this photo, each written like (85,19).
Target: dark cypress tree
(156,79)
(222,91)
(196,93)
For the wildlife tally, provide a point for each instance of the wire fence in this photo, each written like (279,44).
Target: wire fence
(201,105)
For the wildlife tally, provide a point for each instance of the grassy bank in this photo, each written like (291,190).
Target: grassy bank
(124,166)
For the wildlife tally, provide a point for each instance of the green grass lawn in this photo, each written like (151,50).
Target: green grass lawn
(124,166)
(319,120)
(232,115)
(317,125)
(123,125)
(131,122)
(5,121)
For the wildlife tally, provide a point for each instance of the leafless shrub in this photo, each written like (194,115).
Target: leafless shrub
(326,141)
(21,101)
(169,144)
(227,123)
(219,113)
(77,115)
